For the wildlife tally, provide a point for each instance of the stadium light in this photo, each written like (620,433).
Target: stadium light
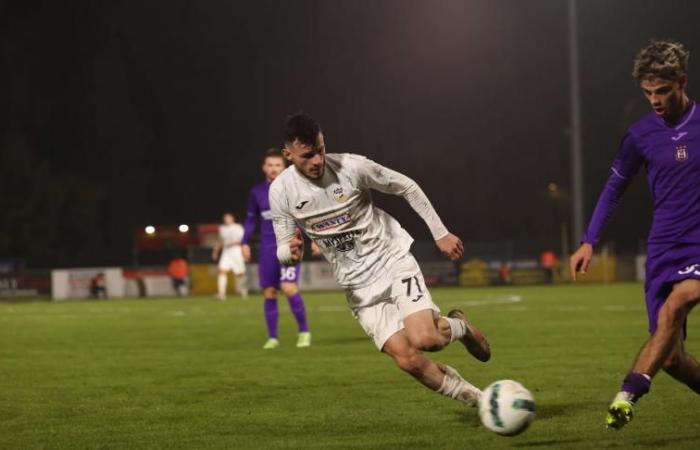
(150,229)
(183,228)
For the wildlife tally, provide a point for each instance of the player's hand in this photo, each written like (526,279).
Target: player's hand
(451,246)
(315,250)
(214,255)
(245,250)
(296,246)
(580,260)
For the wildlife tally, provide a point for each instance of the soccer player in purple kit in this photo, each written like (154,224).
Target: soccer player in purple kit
(667,143)
(272,275)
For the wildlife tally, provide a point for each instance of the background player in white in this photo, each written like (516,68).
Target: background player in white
(231,259)
(328,197)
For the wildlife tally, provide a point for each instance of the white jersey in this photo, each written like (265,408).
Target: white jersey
(359,240)
(231,236)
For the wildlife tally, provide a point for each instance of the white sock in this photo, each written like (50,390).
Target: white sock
(456,387)
(457,328)
(222,280)
(242,284)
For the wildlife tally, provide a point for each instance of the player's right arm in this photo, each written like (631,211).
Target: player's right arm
(249,225)
(289,242)
(388,181)
(624,168)
(216,249)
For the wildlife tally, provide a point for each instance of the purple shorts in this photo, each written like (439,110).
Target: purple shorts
(667,265)
(271,273)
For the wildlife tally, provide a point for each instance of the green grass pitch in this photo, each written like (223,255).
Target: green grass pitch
(174,373)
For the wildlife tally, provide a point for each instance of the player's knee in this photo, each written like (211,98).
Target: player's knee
(413,364)
(674,311)
(270,292)
(427,340)
(673,362)
(289,289)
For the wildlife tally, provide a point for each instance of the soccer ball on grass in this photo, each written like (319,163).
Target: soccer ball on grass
(506,407)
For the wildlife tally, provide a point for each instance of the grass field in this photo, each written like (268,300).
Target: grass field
(190,373)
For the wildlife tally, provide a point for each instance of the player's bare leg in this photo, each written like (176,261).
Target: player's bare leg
(657,352)
(669,331)
(682,366)
(242,284)
(426,333)
(435,376)
(430,334)
(222,281)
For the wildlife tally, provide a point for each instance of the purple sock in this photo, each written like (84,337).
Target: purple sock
(271,316)
(296,303)
(636,384)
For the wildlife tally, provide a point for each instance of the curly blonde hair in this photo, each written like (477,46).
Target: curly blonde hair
(662,59)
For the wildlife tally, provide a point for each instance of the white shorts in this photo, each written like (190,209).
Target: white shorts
(232,261)
(389,302)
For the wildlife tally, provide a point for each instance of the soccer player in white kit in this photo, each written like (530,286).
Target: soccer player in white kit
(328,196)
(231,259)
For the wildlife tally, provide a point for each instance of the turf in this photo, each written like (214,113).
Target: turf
(191,374)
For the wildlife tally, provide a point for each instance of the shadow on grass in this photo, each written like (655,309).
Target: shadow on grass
(671,442)
(554,443)
(325,342)
(549,410)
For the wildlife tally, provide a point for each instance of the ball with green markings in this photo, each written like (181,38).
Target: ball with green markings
(506,407)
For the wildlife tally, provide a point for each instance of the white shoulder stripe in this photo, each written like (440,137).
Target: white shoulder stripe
(618,173)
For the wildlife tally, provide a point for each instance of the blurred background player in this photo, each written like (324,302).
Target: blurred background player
(231,258)
(271,274)
(667,143)
(329,198)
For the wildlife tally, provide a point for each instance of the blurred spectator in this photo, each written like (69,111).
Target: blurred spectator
(178,270)
(98,286)
(504,273)
(548,262)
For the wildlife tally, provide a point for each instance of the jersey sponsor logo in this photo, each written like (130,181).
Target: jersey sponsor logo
(679,135)
(681,153)
(301,205)
(266,215)
(693,269)
(343,242)
(331,222)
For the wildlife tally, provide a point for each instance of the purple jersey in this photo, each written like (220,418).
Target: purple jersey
(259,209)
(270,271)
(671,156)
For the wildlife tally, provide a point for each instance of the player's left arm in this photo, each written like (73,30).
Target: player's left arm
(380,178)
(289,240)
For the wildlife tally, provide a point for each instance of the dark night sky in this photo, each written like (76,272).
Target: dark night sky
(119,114)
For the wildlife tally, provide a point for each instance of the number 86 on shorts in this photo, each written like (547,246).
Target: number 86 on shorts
(288,274)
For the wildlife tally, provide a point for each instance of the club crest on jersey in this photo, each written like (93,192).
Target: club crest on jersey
(339,195)
(681,153)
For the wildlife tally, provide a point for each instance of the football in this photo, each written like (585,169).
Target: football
(506,407)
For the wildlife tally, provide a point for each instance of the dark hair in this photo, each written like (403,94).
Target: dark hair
(301,127)
(272,153)
(663,59)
